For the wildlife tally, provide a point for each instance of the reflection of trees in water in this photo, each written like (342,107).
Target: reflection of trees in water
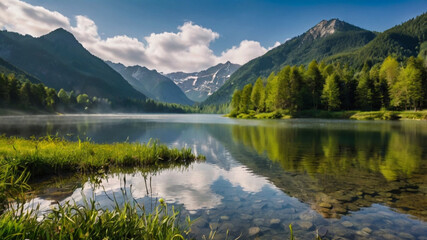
(334,152)
(346,169)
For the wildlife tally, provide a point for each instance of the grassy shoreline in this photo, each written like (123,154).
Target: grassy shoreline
(52,155)
(354,115)
(21,158)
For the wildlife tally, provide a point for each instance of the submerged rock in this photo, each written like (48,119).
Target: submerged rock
(305,225)
(254,231)
(325,205)
(275,222)
(406,235)
(258,221)
(347,224)
(366,230)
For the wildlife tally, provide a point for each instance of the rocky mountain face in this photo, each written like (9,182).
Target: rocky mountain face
(325,28)
(152,84)
(200,85)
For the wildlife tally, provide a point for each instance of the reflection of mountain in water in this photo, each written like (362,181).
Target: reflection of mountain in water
(336,170)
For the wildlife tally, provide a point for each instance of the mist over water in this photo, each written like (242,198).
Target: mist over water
(357,179)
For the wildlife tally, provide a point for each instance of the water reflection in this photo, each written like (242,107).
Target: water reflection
(357,179)
(346,170)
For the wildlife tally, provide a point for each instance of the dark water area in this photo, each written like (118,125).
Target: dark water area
(346,179)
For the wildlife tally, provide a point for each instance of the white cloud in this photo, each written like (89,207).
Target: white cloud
(192,188)
(188,49)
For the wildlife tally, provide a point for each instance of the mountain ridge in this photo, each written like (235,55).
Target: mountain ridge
(60,61)
(199,85)
(299,50)
(151,83)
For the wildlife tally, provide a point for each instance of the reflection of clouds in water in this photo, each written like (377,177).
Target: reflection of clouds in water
(192,187)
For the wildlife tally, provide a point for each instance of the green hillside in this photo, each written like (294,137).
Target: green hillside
(323,40)
(402,41)
(7,68)
(347,45)
(60,61)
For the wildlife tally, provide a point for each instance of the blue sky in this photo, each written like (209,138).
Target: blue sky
(265,21)
(259,22)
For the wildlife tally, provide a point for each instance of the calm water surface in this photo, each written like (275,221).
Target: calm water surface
(348,179)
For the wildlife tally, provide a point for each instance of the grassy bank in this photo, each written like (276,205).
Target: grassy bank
(128,220)
(52,155)
(21,158)
(356,115)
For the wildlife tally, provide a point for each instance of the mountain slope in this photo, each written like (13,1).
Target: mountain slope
(199,85)
(60,61)
(152,84)
(7,68)
(325,39)
(402,41)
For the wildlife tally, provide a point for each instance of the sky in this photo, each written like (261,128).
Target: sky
(192,35)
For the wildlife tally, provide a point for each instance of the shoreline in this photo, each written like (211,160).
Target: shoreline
(349,115)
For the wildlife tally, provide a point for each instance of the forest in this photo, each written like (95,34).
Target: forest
(23,95)
(390,85)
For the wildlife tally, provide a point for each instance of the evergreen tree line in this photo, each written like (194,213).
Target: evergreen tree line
(24,95)
(387,85)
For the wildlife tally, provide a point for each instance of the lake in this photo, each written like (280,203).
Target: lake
(346,179)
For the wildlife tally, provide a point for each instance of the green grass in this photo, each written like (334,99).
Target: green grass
(21,157)
(85,221)
(52,155)
(355,115)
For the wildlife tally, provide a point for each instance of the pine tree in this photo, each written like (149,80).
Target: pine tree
(245,100)
(235,101)
(315,83)
(331,93)
(389,70)
(258,95)
(282,99)
(271,92)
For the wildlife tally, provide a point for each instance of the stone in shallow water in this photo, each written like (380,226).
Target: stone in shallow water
(322,231)
(347,224)
(362,233)
(225,218)
(406,235)
(275,222)
(246,217)
(258,221)
(305,225)
(254,231)
(307,216)
(366,230)
(340,210)
(325,205)
(389,236)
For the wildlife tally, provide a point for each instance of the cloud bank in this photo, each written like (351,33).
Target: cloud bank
(186,50)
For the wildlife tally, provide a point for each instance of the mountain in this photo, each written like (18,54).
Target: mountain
(152,84)
(60,61)
(325,39)
(402,41)
(7,68)
(200,85)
